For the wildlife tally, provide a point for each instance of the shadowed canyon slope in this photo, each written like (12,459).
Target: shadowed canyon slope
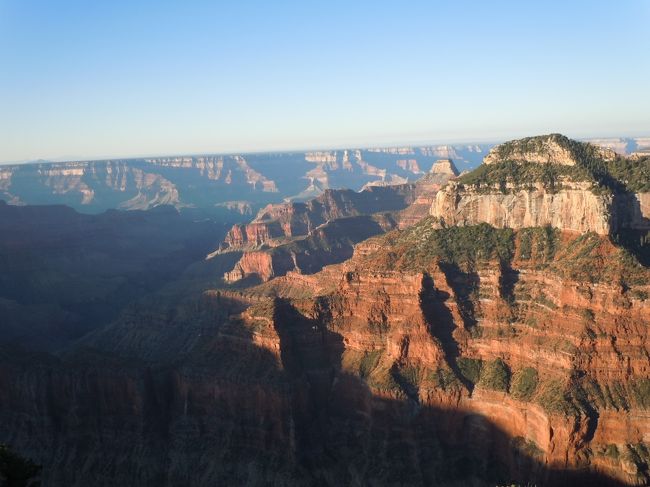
(502,339)
(64,273)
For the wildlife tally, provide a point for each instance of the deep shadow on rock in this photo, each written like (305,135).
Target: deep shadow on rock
(238,411)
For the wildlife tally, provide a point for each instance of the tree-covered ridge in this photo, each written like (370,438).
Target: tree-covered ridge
(509,175)
(632,173)
(578,257)
(421,246)
(544,145)
(510,171)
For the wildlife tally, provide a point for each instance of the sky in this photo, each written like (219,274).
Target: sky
(93,79)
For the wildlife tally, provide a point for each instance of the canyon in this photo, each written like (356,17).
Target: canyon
(215,184)
(303,237)
(489,328)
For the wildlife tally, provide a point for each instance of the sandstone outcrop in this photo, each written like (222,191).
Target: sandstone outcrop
(295,219)
(329,243)
(549,180)
(302,237)
(427,186)
(576,208)
(429,326)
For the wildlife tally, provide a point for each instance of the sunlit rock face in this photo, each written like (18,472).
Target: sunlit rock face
(550,180)
(302,237)
(575,208)
(427,186)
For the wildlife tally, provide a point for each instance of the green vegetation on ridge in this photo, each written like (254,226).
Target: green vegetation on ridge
(616,174)
(422,244)
(495,375)
(588,257)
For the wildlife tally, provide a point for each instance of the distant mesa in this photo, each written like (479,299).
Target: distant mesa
(444,166)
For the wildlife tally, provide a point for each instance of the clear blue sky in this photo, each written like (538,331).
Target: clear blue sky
(110,78)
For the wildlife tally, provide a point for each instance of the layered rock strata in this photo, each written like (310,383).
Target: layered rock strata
(550,180)
(574,208)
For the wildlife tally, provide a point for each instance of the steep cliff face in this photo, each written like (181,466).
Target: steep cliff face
(426,188)
(575,208)
(258,264)
(303,237)
(633,211)
(93,186)
(275,224)
(550,180)
(253,234)
(536,338)
(455,354)
(330,243)
(295,219)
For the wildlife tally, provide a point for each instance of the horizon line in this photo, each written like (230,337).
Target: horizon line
(287,150)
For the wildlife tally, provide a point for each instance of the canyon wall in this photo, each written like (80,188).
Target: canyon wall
(303,237)
(575,208)
(509,345)
(296,219)
(633,211)
(389,377)
(427,186)
(330,243)
(433,336)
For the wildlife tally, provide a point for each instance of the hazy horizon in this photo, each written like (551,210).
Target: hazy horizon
(458,142)
(106,80)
